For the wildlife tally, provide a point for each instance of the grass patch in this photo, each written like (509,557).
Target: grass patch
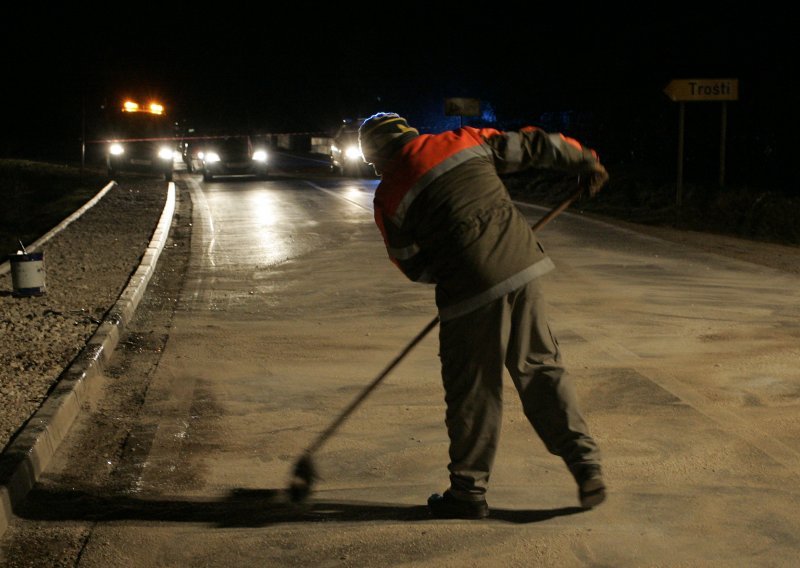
(37,196)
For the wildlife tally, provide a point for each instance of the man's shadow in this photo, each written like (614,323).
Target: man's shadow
(240,508)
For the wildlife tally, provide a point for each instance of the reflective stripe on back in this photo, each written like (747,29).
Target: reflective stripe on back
(424,159)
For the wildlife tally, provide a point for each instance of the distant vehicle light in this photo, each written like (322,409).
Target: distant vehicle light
(116,149)
(260,156)
(201,155)
(353,153)
(212,157)
(152,108)
(165,153)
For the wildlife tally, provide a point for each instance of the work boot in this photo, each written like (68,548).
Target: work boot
(591,487)
(449,507)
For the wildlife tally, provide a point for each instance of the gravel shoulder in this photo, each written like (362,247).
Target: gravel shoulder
(89,263)
(772,255)
(87,266)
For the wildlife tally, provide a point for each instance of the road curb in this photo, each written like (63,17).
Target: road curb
(28,455)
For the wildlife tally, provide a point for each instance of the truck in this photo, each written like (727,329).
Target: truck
(141,138)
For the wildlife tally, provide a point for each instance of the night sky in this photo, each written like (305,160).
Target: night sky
(229,67)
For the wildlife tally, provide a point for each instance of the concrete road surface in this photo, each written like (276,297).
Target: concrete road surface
(278,305)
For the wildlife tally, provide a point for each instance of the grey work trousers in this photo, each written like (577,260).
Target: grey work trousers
(512,333)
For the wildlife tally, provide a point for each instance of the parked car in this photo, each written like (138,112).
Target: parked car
(234,155)
(346,156)
(141,139)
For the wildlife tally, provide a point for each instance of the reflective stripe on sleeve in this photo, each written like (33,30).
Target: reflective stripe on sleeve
(403,253)
(512,151)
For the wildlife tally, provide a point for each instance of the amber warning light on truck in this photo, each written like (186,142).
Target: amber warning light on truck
(152,108)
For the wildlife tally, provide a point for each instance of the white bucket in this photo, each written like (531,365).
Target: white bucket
(27,273)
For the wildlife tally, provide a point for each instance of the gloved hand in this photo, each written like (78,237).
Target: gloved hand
(594,178)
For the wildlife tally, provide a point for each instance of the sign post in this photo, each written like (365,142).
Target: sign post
(681,124)
(691,90)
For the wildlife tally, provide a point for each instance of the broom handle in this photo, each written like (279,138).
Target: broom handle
(556,211)
(375,382)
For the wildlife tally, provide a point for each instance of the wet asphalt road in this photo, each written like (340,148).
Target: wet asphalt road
(278,306)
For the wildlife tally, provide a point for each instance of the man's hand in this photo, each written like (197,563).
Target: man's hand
(594,178)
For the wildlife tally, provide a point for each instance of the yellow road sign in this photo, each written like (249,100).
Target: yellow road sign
(703,89)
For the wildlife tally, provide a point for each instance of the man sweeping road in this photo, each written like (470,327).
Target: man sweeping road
(446,218)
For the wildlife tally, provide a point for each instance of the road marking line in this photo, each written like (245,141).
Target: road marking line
(342,197)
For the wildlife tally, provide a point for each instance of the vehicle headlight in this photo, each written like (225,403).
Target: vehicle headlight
(353,153)
(201,155)
(116,149)
(260,156)
(211,157)
(165,153)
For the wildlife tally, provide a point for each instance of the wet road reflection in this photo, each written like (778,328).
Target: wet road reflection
(243,227)
(262,223)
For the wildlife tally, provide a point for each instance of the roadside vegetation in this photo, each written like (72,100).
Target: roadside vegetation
(36,196)
(633,196)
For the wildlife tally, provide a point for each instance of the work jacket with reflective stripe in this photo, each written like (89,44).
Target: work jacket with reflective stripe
(447,218)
